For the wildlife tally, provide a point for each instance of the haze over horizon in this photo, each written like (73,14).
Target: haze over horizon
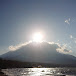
(19,19)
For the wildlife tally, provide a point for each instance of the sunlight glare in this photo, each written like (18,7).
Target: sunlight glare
(37,37)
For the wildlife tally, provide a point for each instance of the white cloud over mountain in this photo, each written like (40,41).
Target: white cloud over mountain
(52,45)
(14,48)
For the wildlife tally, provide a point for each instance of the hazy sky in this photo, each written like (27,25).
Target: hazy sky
(20,18)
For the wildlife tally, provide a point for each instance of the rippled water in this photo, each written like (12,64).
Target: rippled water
(40,71)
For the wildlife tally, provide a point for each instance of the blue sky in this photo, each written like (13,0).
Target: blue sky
(20,18)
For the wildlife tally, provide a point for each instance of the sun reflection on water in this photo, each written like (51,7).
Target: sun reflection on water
(40,72)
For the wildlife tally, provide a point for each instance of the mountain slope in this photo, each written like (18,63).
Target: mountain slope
(40,52)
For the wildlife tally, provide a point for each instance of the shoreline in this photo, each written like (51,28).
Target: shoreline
(2,74)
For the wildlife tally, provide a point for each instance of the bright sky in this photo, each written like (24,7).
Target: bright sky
(20,18)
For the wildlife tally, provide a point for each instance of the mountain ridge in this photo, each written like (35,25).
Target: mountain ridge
(40,52)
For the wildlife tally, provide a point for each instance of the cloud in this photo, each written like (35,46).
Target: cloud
(67,21)
(61,49)
(73,38)
(13,48)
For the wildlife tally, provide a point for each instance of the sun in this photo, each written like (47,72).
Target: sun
(37,37)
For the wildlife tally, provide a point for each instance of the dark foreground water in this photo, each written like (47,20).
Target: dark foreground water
(40,71)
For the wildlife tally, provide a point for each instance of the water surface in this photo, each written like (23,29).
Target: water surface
(40,71)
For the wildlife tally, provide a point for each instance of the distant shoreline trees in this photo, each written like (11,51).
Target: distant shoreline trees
(17,64)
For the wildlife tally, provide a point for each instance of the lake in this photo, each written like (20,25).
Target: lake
(40,71)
